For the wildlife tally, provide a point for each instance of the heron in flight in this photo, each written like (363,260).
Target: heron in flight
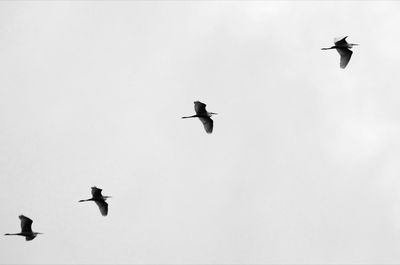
(26,229)
(203,115)
(343,48)
(99,199)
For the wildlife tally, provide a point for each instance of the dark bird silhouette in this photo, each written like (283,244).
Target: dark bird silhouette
(203,115)
(26,229)
(343,48)
(100,200)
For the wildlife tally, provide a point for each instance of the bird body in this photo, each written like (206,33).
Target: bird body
(343,48)
(203,115)
(100,200)
(26,229)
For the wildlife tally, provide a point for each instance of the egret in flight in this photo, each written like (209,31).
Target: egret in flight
(203,115)
(26,229)
(343,48)
(99,199)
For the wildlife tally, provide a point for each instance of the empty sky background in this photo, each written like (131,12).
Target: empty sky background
(302,167)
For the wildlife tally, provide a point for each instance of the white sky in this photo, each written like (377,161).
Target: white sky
(302,167)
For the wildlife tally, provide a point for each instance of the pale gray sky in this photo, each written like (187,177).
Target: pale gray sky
(302,167)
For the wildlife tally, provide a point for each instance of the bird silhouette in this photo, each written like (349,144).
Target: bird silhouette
(99,199)
(26,229)
(203,115)
(343,48)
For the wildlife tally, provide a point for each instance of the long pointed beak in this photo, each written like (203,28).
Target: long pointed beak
(213,113)
(186,117)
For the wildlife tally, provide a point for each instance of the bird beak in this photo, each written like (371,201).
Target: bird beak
(213,113)
(355,44)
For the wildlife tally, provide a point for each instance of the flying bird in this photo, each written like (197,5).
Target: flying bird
(343,48)
(203,115)
(100,200)
(26,229)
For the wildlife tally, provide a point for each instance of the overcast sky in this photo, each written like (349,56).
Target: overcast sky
(302,167)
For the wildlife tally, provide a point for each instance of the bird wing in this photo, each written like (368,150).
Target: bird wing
(103,206)
(96,192)
(26,224)
(199,107)
(340,41)
(345,55)
(207,123)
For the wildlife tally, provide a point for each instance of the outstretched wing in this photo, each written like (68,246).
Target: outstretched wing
(96,192)
(199,107)
(26,224)
(340,41)
(345,55)
(103,207)
(207,123)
